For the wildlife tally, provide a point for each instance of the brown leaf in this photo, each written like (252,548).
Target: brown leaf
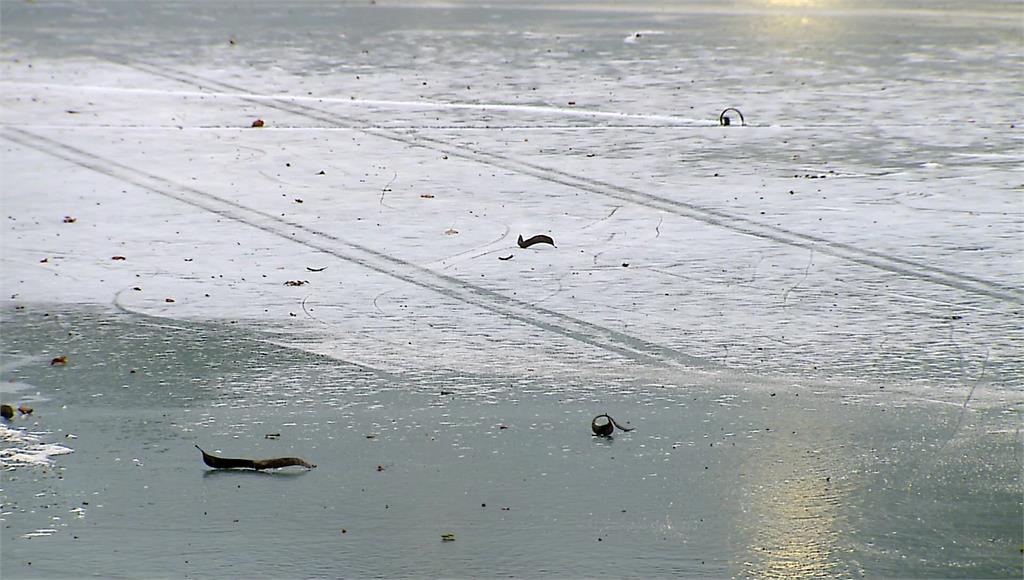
(59,361)
(25,410)
(257,123)
(118,258)
(451,231)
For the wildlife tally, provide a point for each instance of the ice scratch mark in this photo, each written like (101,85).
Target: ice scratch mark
(308,313)
(810,260)
(930,464)
(386,189)
(604,219)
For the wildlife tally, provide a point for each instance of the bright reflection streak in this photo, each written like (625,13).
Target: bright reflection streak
(796,532)
(794,515)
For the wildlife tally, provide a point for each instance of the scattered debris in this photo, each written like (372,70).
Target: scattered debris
(724,121)
(427,196)
(380,468)
(169,300)
(257,464)
(447,393)
(451,231)
(44,261)
(625,264)
(258,123)
(506,258)
(59,361)
(322,172)
(298,200)
(606,429)
(69,219)
(538,239)
(316,269)
(272,436)
(371,435)
(25,410)
(6,411)
(448,537)
(118,258)
(296,282)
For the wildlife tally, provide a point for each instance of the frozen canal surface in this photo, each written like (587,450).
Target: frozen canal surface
(813,319)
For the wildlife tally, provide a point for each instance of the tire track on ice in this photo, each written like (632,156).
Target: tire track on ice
(595,335)
(710,216)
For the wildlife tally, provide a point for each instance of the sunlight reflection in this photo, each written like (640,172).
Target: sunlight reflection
(794,516)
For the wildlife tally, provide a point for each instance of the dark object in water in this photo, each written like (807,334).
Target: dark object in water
(316,269)
(6,411)
(25,410)
(724,121)
(538,239)
(606,429)
(257,464)
(510,256)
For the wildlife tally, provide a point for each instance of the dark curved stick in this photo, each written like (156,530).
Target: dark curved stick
(724,121)
(257,464)
(606,429)
(538,239)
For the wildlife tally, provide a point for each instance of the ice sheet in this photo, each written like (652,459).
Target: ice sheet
(857,241)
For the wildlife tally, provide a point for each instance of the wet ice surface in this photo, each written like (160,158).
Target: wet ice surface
(858,242)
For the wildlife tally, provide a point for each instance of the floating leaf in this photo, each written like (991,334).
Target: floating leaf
(257,123)
(451,231)
(296,282)
(59,361)
(118,258)
(25,410)
(70,220)
(427,196)
(448,537)
(168,300)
